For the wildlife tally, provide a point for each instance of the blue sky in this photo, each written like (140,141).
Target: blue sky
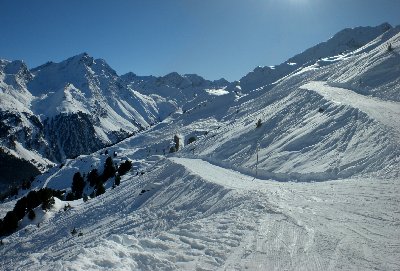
(213,38)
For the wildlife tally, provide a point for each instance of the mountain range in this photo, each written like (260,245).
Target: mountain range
(294,166)
(61,110)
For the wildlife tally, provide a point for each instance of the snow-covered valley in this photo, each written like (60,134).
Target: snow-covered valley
(297,171)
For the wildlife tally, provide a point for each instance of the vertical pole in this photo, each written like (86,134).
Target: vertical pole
(257,163)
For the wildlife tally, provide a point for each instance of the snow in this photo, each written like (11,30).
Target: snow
(201,216)
(343,42)
(314,188)
(41,215)
(372,70)
(386,112)
(21,151)
(83,84)
(217,92)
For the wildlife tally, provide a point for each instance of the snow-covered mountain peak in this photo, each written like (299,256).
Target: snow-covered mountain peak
(129,77)
(132,78)
(87,62)
(82,70)
(99,65)
(199,81)
(222,82)
(362,32)
(175,80)
(344,41)
(262,76)
(81,58)
(16,68)
(196,80)
(81,103)
(379,75)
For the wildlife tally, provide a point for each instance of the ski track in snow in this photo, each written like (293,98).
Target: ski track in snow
(198,216)
(304,226)
(386,112)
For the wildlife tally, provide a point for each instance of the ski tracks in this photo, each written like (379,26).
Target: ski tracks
(279,240)
(343,224)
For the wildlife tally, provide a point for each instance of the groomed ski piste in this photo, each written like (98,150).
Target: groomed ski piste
(322,195)
(198,216)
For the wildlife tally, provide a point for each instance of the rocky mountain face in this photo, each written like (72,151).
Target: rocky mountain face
(174,90)
(20,128)
(61,110)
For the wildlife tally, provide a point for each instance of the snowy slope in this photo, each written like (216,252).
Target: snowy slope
(344,41)
(385,112)
(199,216)
(375,73)
(314,188)
(353,135)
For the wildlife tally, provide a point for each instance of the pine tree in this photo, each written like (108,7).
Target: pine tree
(93,177)
(109,169)
(78,184)
(85,198)
(100,189)
(48,203)
(124,167)
(117,180)
(10,223)
(33,199)
(20,208)
(176,140)
(31,214)
(74,231)
(67,207)
(70,196)
(46,197)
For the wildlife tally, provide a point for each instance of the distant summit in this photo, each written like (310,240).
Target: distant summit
(344,41)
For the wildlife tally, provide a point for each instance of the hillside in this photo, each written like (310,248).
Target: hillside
(314,186)
(343,42)
(61,110)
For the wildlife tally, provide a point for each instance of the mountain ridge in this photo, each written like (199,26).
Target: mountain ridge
(87,96)
(346,40)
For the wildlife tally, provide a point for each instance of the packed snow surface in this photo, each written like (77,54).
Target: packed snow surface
(386,112)
(198,216)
